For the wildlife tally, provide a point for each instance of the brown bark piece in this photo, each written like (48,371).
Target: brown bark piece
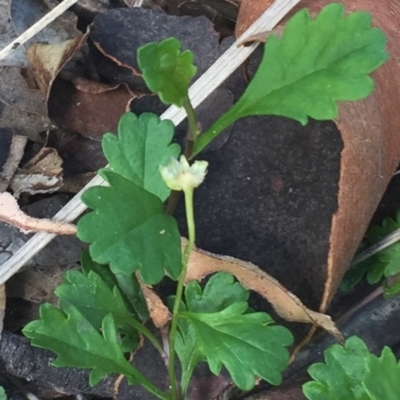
(371,151)
(249,12)
(370,133)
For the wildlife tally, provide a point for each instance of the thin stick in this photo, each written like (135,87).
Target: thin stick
(377,247)
(37,27)
(199,91)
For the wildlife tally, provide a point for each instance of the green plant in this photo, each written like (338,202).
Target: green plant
(351,372)
(132,241)
(3,395)
(380,267)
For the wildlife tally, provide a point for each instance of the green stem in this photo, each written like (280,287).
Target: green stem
(146,333)
(211,133)
(193,130)
(137,376)
(179,292)
(191,136)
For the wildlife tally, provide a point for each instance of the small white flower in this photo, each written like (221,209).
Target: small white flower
(179,175)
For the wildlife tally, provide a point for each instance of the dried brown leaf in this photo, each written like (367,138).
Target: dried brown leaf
(285,303)
(47,60)
(87,107)
(42,174)
(159,313)
(249,12)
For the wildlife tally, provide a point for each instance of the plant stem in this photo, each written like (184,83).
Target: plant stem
(146,333)
(211,133)
(193,130)
(136,376)
(179,292)
(191,136)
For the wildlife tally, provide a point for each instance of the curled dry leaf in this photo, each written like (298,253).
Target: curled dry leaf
(159,312)
(87,107)
(13,215)
(285,303)
(42,174)
(47,60)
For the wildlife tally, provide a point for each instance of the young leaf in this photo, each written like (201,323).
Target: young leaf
(95,300)
(285,303)
(353,373)
(244,343)
(383,376)
(357,272)
(390,290)
(3,394)
(214,326)
(314,65)
(128,285)
(220,292)
(189,352)
(125,216)
(142,145)
(384,264)
(88,265)
(78,344)
(387,260)
(342,374)
(166,70)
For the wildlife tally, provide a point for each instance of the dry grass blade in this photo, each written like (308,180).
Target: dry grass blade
(377,247)
(37,27)
(199,91)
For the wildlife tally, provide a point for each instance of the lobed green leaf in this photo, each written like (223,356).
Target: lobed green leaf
(315,64)
(351,372)
(383,376)
(216,326)
(142,145)
(340,377)
(244,343)
(78,344)
(128,285)
(95,300)
(384,264)
(167,70)
(220,292)
(3,394)
(129,231)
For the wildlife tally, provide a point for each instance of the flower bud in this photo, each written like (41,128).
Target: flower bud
(179,175)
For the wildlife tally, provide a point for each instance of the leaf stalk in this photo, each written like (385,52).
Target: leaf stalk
(179,292)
